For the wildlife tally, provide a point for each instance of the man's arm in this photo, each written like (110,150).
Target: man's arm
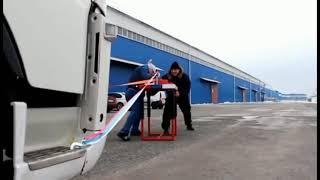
(187,84)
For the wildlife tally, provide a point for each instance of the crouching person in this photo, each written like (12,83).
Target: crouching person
(131,126)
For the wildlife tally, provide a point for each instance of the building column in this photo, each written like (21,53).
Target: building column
(250,91)
(190,76)
(234,87)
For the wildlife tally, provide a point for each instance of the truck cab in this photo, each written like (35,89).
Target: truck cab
(55,75)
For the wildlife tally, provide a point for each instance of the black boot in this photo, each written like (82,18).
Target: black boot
(190,128)
(165,133)
(123,136)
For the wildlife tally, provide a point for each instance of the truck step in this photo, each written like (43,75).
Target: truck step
(51,156)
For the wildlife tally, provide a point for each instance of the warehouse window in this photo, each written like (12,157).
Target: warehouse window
(172,50)
(125,32)
(139,37)
(144,39)
(134,36)
(120,30)
(130,34)
(195,60)
(155,44)
(185,55)
(149,41)
(161,46)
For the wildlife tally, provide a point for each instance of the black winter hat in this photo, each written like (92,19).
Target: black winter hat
(175,65)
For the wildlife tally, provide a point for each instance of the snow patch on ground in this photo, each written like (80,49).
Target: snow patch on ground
(259,110)
(249,117)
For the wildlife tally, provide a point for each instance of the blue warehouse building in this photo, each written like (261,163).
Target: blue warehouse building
(212,80)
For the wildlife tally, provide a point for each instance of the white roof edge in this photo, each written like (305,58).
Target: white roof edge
(195,48)
(210,80)
(242,87)
(130,62)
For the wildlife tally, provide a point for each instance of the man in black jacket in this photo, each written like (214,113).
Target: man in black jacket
(181,97)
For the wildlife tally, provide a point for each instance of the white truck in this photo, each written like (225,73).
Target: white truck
(54,86)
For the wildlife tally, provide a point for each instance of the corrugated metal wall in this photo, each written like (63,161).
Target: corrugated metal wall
(131,50)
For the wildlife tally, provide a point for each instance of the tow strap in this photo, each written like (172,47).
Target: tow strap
(97,136)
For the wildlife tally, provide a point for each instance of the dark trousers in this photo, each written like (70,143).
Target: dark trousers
(136,114)
(170,110)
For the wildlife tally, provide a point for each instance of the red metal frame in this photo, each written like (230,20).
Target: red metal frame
(156,136)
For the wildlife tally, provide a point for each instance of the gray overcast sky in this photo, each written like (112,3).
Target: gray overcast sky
(273,40)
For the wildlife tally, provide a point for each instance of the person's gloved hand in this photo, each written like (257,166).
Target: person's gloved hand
(152,68)
(158,74)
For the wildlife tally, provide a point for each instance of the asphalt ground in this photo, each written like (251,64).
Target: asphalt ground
(266,141)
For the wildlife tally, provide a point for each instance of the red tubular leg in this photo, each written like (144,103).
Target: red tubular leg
(149,128)
(142,129)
